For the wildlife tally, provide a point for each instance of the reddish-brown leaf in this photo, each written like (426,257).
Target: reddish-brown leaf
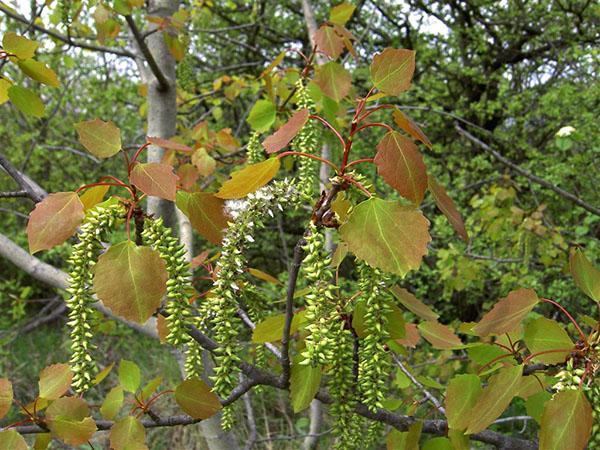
(55,381)
(392,70)
(206,213)
(155,179)
(329,42)
(168,144)
(6,396)
(413,304)
(196,399)
(54,220)
(188,175)
(439,336)
(507,313)
(401,165)
(408,125)
(284,135)
(567,421)
(412,336)
(333,80)
(448,208)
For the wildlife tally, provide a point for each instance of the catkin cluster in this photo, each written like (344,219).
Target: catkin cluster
(320,301)
(374,363)
(222,305)
(306,142)
(255,152)
(96,224)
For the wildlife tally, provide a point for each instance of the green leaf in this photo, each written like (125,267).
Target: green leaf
(284,135)
(271,328)
(566,421)
(396,326)
(55,381)
(151,388)
(387,235)
(206,213)
(438,443)
(11,440)
(262,115)
(482,354)
(19,46)
(413,304)
(545,334)
(42,441)
(6,396)
(196,399)
(4,87)
(494,398)
(92,196)
(448,208)
(333,80)
(54,220)
(26,101)
(304,385)
(461,395)
(155,179)
(103,374)
(341,13)
(130,376)
(507,313)
(439,336)
(392,70)
(112,403)
(249,179)
(39,71)
(69,420)
(401,165)
(130,280)
(536,403)
(128,434)
(405,440)
(204,163)
(586,276)
(101,139)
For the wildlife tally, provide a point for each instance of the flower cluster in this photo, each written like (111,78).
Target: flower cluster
(97,223)
(306,142)
(222,305)
(374,363)
(320,300)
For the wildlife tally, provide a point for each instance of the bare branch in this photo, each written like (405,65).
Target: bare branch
(65,39)
(34,191)
(422,388)
(14,194)
(565,194)
(163,82)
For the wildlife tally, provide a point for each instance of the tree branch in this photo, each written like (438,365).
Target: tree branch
(65,39)
(14,194)
(34,191)
(565,194)
(163,82)
(416,382)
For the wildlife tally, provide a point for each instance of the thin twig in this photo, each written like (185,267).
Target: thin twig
(420,386)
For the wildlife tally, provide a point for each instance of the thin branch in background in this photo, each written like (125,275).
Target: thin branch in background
(534,178)
(251,420)
(430,397)
(14,194)
(163,82)
(35,192)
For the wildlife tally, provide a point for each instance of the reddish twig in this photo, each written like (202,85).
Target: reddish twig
(308,155)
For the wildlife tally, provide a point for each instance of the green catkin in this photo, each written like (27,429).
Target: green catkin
(222,305)
(179,291)
(320,300)
(255,152)
(342,388)
(374,363)
(306,142)
(96,224)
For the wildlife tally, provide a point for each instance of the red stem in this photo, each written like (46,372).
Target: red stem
(552,302)
(361,104)
(357,184)
(374,124)
(328,125)
(496,359)
(377,108)
(308,155)
(136,154)
(358,161)
(85,186)
(556,350)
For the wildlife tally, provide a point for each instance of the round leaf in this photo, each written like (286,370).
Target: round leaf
(284,135)
(6,396)
(55,381)
(11,440)
(69,420)
(19,46)
(586,276)
(507,313)
(206,213)
(196,399)
(54,220)
(333,80)
(566,421)
(262,115)
(26,101)
(128,434)
(39,72)
(304,385)
(130,280)
(543,335)
(392,70)
(155,179)
(101,139)
(387,235)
